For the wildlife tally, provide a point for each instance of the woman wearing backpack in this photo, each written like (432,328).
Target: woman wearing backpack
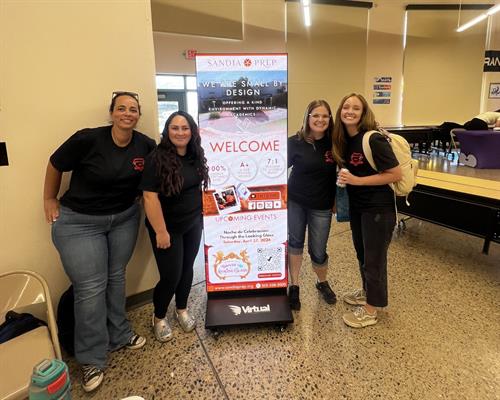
(371,202)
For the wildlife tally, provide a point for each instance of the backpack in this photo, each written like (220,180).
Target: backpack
(402,151)
(66,321)
(16,324)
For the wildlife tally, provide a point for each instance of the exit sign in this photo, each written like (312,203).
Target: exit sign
(190,54)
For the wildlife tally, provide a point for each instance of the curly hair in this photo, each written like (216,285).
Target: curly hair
(366,123)
(168,163)
(305,130)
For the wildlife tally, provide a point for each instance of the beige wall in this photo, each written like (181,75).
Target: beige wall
(326,60)
(315,68)
(384,57)
(222,18)
(322,65)
(443,68)
(264,31)
(59,64)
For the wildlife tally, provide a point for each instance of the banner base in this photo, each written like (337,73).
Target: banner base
(231,309)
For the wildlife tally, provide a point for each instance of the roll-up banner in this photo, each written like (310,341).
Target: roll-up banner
(242,101)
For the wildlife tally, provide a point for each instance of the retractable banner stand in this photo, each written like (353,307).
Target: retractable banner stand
(242,100)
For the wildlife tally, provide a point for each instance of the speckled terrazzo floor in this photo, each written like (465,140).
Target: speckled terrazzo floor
(438,339)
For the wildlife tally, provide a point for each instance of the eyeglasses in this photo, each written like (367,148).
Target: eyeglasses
(318,116)
(121,93)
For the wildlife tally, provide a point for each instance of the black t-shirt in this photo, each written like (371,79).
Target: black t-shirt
(179,211)
(105,176)
(376,198)
(312,180)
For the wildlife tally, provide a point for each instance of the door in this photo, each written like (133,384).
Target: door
(168,102)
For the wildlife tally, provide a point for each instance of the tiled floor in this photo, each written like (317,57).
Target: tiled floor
(438,339)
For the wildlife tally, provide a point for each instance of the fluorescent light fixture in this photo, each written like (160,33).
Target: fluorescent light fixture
(307,16)
(493,10)
(479,18)
(306,3)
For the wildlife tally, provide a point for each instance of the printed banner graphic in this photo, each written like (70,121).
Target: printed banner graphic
(242,101)
(381,87)
(381,101)
(491,61)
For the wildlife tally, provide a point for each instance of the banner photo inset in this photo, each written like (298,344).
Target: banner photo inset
(242,104)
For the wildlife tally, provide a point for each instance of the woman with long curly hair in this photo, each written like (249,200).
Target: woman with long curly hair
(371,203)
(174,175)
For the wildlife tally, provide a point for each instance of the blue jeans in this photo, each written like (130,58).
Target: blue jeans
(94,251)
(318,224)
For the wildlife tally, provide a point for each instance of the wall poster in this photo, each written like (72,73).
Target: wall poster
(242,100)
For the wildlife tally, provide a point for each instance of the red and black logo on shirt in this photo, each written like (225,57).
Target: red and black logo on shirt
(328,157)
(138,164)
(356,159)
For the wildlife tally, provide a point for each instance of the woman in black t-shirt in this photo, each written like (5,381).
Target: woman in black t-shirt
(311,196)
(94,228)
(371,202)
(173,177)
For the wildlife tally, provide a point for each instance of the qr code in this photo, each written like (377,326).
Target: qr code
(269,259)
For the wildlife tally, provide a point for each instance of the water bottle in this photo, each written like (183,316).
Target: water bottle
(50,381)
(342,184)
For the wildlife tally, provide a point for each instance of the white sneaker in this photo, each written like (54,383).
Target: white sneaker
(162,330)
(359,318)
(356,298)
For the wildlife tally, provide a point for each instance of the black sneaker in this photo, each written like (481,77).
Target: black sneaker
(293,297)
(91,377)
(327,292)
(135,342)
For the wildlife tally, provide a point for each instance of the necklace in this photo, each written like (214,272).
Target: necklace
(118,141)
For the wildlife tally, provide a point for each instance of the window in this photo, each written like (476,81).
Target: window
(176,92)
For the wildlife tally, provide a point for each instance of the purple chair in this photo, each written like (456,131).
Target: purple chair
(479,149)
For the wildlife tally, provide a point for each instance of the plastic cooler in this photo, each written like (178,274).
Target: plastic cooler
(50,381)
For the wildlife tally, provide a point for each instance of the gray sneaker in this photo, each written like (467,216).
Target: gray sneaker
(186,321)
(356,298)
(359,318)
(162,330)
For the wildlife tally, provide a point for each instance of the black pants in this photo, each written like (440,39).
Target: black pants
(371,235)
(175,266)
(476,124)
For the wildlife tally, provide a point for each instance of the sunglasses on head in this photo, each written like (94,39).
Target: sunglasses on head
(122,93)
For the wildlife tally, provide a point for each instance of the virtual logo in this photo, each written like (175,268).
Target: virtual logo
(237,310)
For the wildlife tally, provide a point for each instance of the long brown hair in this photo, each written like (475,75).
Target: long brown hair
(305,130)
(366,123)
(168,163)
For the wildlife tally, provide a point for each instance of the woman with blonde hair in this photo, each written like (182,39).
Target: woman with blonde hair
(311,196)
(371,203)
